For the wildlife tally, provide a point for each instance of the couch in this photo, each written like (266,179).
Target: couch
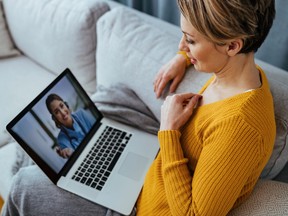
(104,43)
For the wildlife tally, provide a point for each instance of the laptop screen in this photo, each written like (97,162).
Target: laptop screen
(55,123)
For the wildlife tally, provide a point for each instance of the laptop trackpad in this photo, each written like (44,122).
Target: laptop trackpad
(133,166)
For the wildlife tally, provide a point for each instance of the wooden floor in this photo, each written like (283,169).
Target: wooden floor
(1,203)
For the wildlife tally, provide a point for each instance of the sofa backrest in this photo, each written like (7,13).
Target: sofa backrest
(278,81)
(57,34)
(137,49)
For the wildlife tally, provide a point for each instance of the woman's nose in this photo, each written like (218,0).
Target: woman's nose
(183,45)
(62,111)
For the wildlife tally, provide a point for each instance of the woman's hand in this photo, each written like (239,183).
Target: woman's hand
(173,71)
(177,109)
(64,153)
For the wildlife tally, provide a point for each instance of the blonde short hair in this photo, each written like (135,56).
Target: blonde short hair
(221,20)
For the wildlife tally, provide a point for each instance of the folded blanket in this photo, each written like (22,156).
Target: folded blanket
(123,105)
(22,160)
(116,102)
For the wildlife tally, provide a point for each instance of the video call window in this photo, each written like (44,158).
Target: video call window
(55,127)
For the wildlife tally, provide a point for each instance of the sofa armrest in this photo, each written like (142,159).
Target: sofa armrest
(57,34)
(268,198)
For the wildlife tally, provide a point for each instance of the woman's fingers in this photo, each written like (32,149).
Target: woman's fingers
(175,84)
(160,88)
(172,72)
(65,153)
(177,109)
(157,80)
(193,101)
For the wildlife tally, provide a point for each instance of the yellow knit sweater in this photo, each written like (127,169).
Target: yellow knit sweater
(213,164)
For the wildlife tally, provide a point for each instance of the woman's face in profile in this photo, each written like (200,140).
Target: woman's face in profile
(61,112)
(203,54)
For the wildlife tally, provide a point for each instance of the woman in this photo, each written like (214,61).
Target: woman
(213,145)
(212,156)
(73,126)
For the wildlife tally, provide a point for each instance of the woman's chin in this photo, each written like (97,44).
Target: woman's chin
(201,69)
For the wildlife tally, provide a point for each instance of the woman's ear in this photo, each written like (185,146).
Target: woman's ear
(57,123)
(234,47)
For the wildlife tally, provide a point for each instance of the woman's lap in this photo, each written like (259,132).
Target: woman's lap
(32,193)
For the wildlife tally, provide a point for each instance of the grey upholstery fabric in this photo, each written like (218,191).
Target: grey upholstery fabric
(33,194)
(268,198)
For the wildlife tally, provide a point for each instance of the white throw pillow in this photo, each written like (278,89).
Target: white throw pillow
(7,48)
(58,34)
(131,51)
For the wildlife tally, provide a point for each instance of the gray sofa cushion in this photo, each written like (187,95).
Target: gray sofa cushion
(280,153)
(7,48)
(278,80)
(66,37)
(131,51)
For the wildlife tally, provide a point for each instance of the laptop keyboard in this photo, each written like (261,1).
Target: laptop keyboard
(98,164)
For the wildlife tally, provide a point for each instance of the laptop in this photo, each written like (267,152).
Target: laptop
(106,161)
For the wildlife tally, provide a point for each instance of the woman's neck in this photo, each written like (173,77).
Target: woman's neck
(240,72)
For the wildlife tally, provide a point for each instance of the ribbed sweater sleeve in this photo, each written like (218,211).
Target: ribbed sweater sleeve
(221,170)
(214,162)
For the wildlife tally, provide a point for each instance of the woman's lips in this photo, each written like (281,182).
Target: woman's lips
(65,117)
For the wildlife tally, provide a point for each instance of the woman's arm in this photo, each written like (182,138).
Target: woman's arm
(173,71)
(64,148)
(229,156)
